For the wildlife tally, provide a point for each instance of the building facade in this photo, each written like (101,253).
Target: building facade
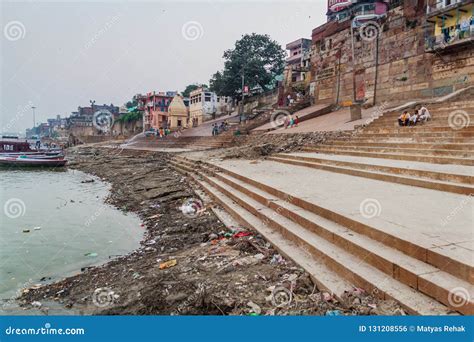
(81,123)
(374,51)
(297,64)
(206,105)
(155,108)
(178,113)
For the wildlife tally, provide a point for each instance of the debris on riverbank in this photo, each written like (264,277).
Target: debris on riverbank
(189,262)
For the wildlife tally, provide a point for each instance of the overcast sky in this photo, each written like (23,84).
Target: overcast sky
(58,55)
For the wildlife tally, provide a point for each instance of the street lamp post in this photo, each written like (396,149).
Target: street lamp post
(34,119)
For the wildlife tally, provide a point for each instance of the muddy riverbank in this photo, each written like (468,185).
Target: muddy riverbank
(189,262)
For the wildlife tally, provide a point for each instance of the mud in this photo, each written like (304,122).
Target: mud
(214,269)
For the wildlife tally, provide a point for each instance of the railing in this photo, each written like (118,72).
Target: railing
(440,5)
(443,41)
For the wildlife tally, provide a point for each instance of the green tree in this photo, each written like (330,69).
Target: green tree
(255,56)
(190,88)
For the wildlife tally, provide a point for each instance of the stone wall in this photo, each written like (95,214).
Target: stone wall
(405,70)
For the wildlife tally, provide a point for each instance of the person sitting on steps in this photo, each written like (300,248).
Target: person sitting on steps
(404,119)
(414,118)
(424,114)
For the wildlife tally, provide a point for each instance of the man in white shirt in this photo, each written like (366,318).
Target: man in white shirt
(425,114)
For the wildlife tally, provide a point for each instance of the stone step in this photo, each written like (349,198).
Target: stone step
(386,174)
(435,146)
(396,156)
(356,269)
(412,139)
(421,129)
(407,150)
(421,248)
(414,133)
(399,266)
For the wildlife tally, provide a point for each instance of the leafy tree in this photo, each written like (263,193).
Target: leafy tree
(190,88)
(257,57)
(220,84)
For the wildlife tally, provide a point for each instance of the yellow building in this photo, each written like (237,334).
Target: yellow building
(453,23)
(177,113)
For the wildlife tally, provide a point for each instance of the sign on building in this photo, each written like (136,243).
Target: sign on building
(337,5)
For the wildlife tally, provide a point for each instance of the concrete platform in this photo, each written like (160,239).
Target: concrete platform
(354,256)
(427,218)
(445,168)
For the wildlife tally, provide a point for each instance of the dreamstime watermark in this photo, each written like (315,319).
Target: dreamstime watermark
(192,30)
(14,30)
(21,111)
(370,30)
(201,289)
(378,111)
(192,207)
(108,24)
(458,119)
(14,208)
(46,330)
(95,215)
(278,118)
(103,120)
(103,296)
(458,296)
(456,210)
(281,297)
(370,208)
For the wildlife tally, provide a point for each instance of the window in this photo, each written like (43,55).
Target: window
(207,98)
(179,123)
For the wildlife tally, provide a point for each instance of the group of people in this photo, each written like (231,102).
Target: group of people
(290,101)
(291,122)
(216,128)
(163,132)
(419,115)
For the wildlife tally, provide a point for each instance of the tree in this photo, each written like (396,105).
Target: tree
(221,84)
(257,57)
(190,88)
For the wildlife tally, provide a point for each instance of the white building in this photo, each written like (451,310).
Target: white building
(206,105)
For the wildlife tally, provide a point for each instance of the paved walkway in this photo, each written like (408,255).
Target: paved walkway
(335,121)
(432,219)
(205,129)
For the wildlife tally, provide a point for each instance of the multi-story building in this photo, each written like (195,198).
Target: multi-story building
(155,108)
(81,123)
(450,24)
(206,105)
(374,51)
(297,63)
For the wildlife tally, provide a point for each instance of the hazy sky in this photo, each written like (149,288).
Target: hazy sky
(58,55)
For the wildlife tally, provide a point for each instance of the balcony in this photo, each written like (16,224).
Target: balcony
(443,6)
(441,43)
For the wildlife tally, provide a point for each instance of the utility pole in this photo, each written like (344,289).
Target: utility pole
(34,119)
(242,100)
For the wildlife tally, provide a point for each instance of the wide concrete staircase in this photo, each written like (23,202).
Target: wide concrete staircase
(409,257)
(337,251)
(436,155)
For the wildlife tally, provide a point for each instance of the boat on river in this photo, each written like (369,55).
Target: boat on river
(32,161)
(20,153)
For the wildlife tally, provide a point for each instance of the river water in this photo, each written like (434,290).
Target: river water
(53,224)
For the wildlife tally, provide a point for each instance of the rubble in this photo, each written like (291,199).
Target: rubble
(187,265)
